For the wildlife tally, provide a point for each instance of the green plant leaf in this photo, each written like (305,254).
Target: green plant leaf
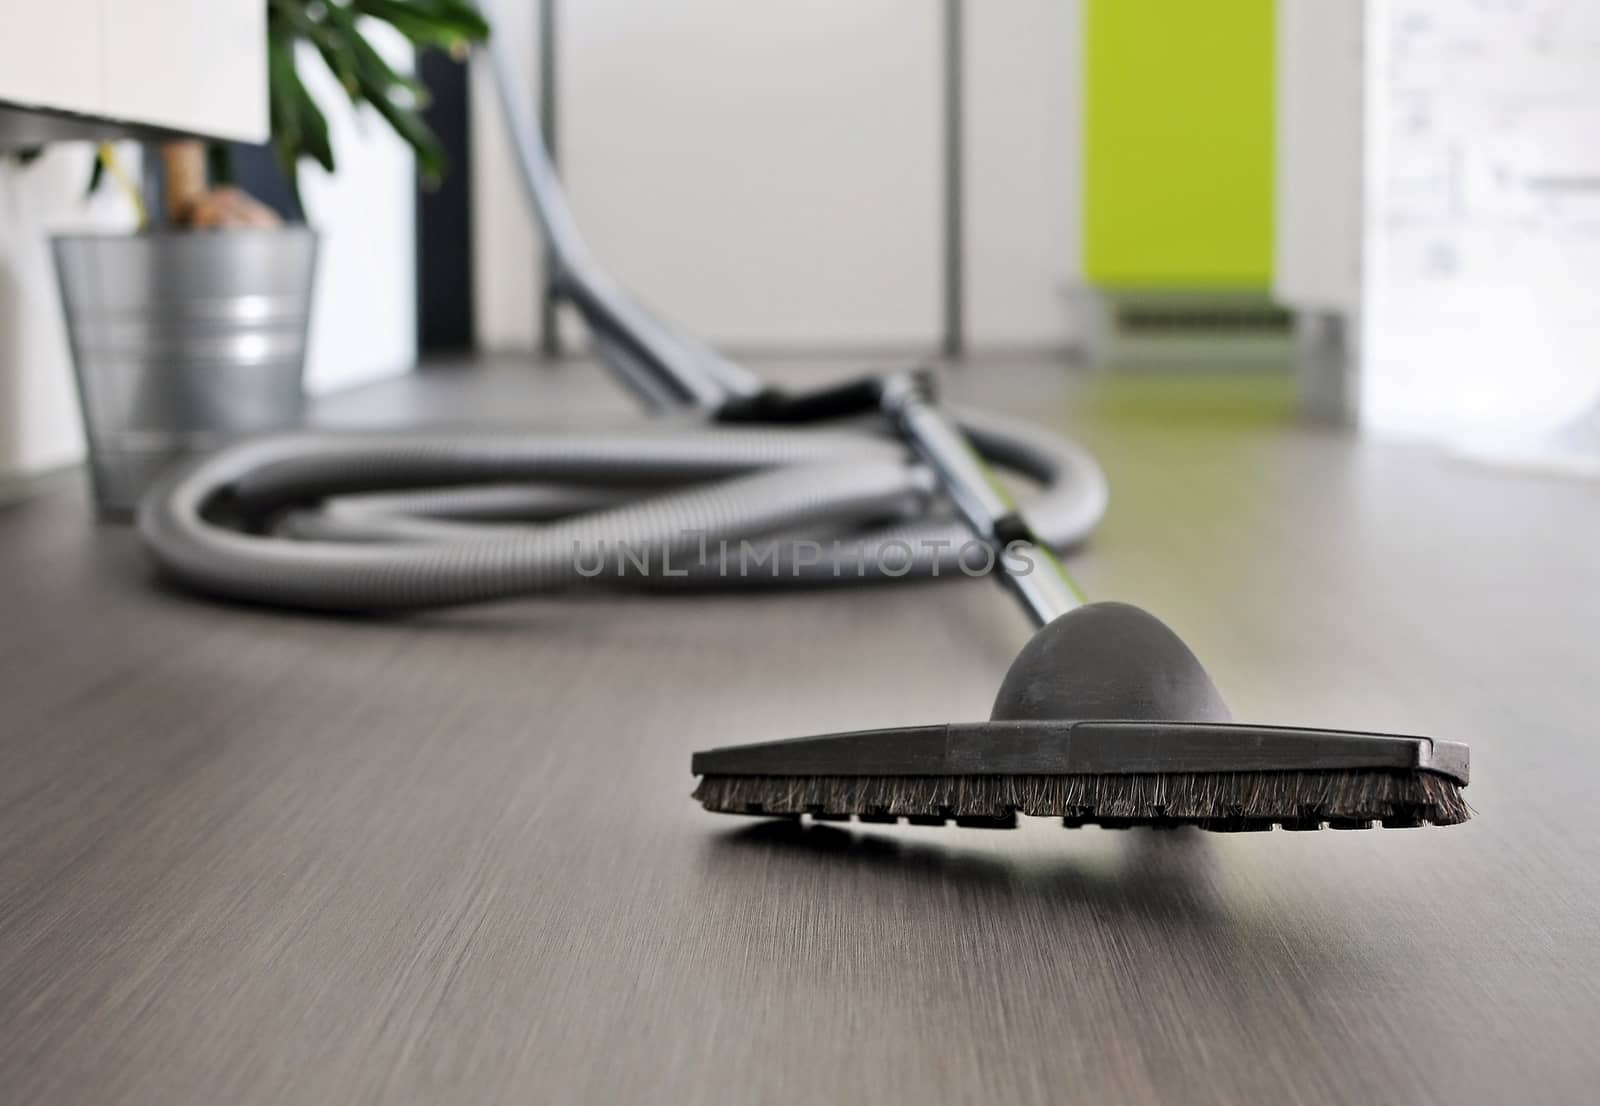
(315,129)
(287,140)
(330,40)
(447,23)
(334,28)
(368,60)
(417,134)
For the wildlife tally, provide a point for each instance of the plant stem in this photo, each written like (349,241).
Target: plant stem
(185,166)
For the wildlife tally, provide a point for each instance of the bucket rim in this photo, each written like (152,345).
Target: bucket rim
(287,230)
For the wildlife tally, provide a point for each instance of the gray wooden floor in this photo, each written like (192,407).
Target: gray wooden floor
(250,857)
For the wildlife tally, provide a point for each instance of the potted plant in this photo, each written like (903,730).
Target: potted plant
(196,330)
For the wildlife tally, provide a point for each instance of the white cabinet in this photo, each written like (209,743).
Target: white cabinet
(196,66)
(192,65)
(50,56)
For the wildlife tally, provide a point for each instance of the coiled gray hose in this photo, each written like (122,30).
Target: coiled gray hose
(395,521)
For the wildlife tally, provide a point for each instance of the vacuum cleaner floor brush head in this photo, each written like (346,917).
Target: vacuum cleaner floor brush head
(1107,719)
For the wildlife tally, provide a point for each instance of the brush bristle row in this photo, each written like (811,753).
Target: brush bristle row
(1350,799)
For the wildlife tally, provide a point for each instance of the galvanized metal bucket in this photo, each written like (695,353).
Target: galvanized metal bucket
(181,341)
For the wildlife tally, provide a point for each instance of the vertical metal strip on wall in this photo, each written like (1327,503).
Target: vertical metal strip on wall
(954,214)
(549,119)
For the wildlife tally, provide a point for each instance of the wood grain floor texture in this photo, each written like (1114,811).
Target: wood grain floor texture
(253,857)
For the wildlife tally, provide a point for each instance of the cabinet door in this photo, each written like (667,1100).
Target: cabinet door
(50,54)
(768,175)
(192,65)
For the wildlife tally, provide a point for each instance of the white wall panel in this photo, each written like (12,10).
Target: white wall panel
(1024,170)
(771,175)
(1320,74)
(768,174)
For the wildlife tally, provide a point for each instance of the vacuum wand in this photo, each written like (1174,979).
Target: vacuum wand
(1026,565)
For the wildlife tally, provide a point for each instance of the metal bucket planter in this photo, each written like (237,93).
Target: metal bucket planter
(181,341)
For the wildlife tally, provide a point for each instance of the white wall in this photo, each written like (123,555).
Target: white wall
(1318,149)
(770,176)
(1024,170)
(764,174)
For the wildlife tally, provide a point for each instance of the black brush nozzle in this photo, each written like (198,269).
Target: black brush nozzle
(1104,717)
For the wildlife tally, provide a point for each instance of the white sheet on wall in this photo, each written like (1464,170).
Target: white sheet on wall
(1482,222)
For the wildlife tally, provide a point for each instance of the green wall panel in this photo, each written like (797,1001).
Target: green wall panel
(1178,158)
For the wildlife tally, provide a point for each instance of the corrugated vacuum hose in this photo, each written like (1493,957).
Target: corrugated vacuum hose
(401,520)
